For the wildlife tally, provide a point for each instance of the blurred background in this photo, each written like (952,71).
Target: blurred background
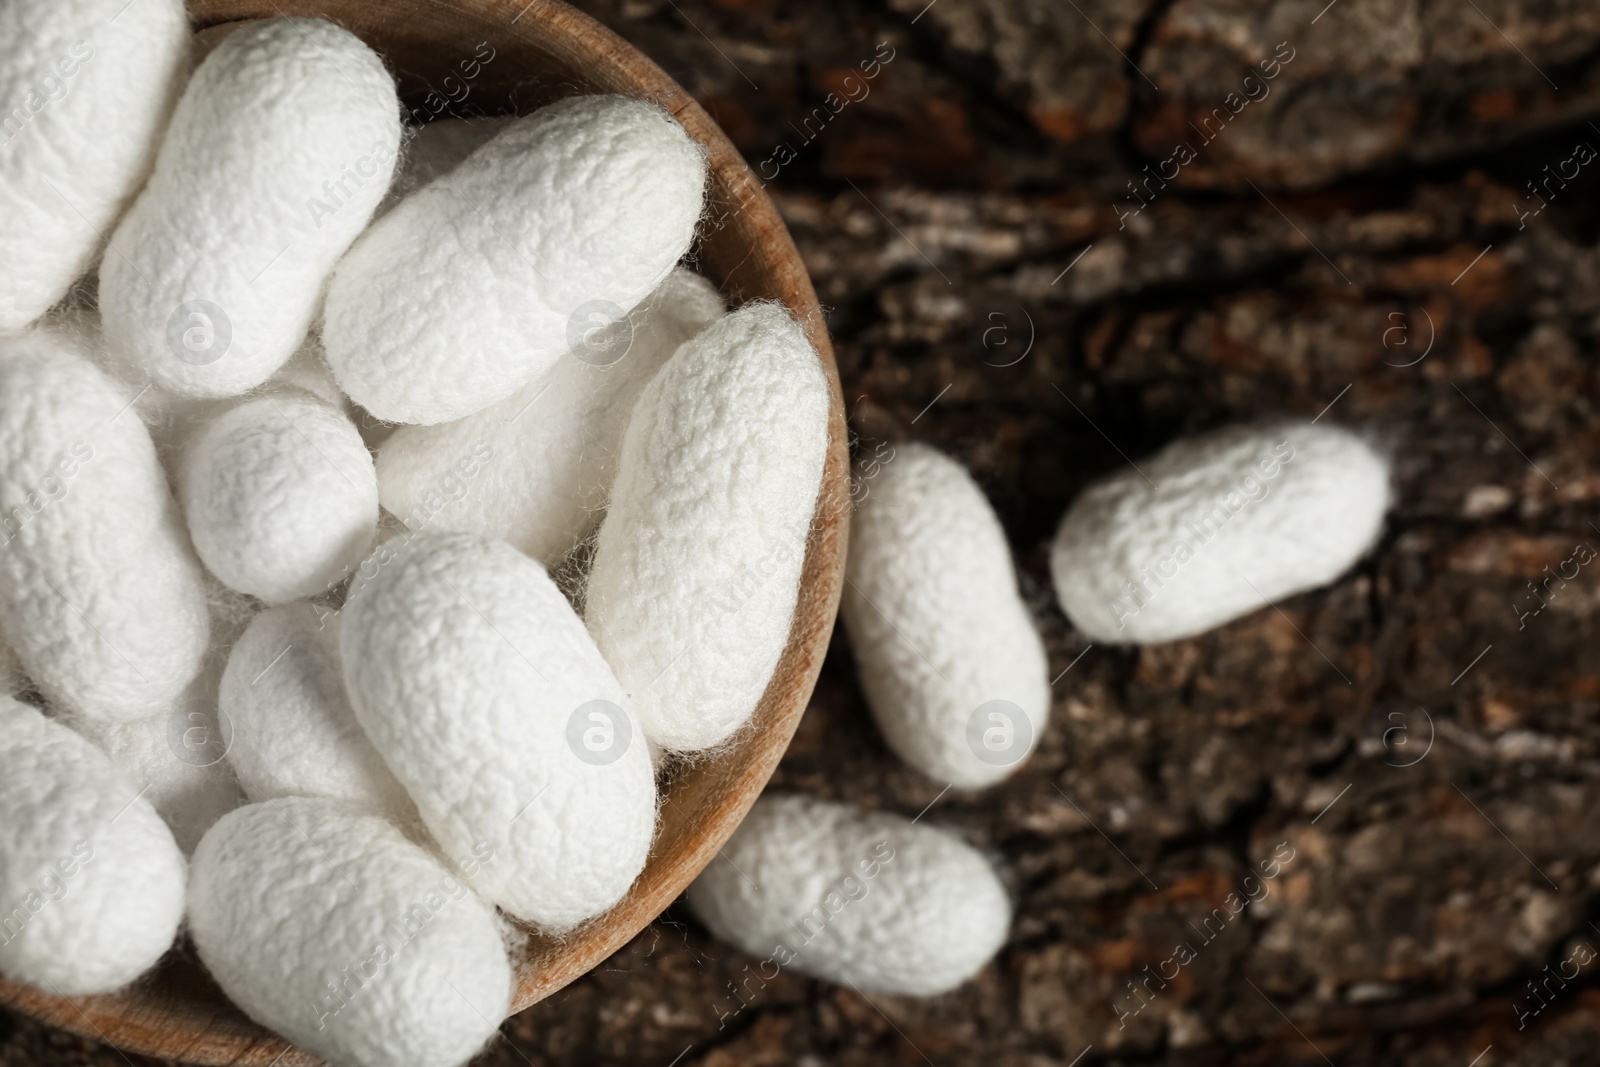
(1051,236)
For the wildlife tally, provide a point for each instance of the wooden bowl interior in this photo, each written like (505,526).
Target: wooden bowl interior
(491,57)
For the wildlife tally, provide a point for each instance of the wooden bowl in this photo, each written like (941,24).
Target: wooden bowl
(541,51)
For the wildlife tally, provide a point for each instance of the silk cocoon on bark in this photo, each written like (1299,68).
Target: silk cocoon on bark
(952,667)
(1227,523)
(860,898)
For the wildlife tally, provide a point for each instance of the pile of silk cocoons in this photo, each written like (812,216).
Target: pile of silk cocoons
(372,496)
(385,505)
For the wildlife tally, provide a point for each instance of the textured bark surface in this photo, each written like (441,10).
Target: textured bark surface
(1008,281)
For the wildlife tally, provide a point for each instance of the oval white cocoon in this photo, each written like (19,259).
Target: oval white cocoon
(279,150)
(485,695)
(860,898)
(100,594)
(587,203)
(91,882)
(327,925)
(697,564)
(280,494)
(951,664)
(1227,523)
(88,86)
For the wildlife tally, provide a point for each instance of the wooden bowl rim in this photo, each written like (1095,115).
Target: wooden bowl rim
(133,1020)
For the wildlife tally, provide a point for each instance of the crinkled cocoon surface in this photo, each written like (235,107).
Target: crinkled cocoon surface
(697,564)
(88,87)
(468,669)
(936,623)
(326,924)
(535,470)
(91,882)
(100,594)
(278,152)
(280,495)
(294,732)
(1227,523)
(860,898)
(473,285)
